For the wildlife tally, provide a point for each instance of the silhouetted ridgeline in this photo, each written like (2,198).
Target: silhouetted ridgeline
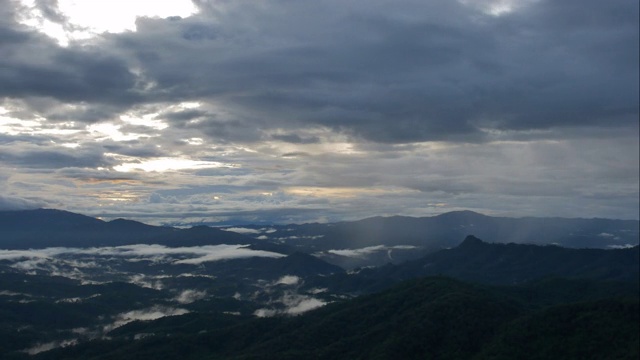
(46,228)
(501,264)
(55,228)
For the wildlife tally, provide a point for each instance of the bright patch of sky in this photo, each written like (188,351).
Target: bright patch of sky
(170,164)
(497,7)
(83,19)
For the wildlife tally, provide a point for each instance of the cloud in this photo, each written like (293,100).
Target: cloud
(152,313)
(53,259)
(226,252)
(189,296)
(49,157)
(455,74)
(378,107)
(16,203)
(625,246)
(363,252)
(288,280)
(145,281)
(241,230)
(291,303)
(300,305)
(42,347)
(68,74)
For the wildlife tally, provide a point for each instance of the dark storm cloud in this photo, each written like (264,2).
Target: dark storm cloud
(10,36)
(92,114)
(69,76)
(52,158)
(296,139)
(178,118)
(398,72)
(32,64)
(395,72)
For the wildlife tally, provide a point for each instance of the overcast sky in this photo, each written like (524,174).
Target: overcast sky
(220,111)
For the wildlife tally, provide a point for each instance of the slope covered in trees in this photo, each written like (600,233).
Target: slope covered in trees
(436,318)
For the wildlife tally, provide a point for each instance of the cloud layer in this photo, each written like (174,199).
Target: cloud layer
(195,255)
(237,112)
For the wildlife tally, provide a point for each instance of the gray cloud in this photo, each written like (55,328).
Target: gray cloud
(65,74)
(17,203)
(52,158)
(435,71)
(328,111)
(296,139)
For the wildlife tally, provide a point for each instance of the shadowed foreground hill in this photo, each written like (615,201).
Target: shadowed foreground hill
(432,318)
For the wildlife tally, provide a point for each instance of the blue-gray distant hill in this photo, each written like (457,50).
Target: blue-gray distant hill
(44,228)
(447,229)
(498,264)
(372,241)
(379,240)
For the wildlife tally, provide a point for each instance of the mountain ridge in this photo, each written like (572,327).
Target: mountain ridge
(477,261)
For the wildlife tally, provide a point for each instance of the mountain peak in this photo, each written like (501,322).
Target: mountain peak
(462,214)
(470,241)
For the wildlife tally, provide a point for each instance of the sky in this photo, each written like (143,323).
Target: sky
(290,111)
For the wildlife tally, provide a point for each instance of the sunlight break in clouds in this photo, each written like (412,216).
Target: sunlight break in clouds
(170,164)
(497,7)
(84,19)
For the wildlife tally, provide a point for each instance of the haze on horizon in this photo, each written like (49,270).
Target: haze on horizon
(178,112)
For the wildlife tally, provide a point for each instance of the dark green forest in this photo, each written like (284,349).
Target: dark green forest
(427,318)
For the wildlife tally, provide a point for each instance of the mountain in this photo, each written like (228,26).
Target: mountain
(479,261)
(369,242)
(198,292)
(61,296)
(45,228)
(501,264)
(435,318)
(378,240)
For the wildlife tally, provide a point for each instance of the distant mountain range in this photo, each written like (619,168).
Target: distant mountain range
(48,227)
(500,264)
(447,229)
(55,228)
